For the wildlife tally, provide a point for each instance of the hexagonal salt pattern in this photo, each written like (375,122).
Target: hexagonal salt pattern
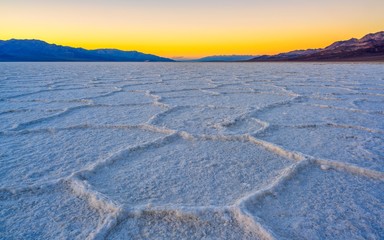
(323,204)
(34,158)
(176,224)
(191,151)
(356,146)
(179,172)
(207,120)
(51,212)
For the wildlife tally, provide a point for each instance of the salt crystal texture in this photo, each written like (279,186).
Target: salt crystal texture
(191,151)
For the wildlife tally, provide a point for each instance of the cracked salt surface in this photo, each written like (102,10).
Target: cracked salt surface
(207,120)
(51,212)
(191,151)
(33,158)
(304,114)
(187,173)
(96,115)
(323,204)
(354,146)
(181,224)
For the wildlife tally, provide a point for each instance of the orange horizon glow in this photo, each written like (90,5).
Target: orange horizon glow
(190,30)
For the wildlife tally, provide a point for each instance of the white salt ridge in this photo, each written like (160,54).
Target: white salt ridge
(65,94)
(182,224)
(191,151)
(96,115)
(207,120)
(301,114)
(371,105)
(53,212)
(60,153)
(42,106)
(322,204)
(245,101)
(180,172)
(124,98)
(359,147)
(13,119)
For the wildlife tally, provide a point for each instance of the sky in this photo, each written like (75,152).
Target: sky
(191,29)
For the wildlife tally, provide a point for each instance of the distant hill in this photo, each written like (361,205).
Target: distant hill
(36,50)
(225,58)
(368,48)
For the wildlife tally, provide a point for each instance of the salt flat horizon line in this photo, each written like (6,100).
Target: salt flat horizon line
(372,43)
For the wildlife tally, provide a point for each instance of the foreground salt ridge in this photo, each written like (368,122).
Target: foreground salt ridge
(98,200)
(239,209)
(117,213)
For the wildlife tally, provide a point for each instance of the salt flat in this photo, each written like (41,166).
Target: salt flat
(191,151)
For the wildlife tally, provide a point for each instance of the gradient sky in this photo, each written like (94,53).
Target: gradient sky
(193,28)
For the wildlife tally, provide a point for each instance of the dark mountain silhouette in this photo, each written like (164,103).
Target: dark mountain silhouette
(224,58)
(36,50)
(368,48)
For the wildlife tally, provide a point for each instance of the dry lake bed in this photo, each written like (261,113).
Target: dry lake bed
(192,151)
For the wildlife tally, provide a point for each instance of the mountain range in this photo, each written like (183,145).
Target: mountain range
(368,48)
(224,58)
(36,50)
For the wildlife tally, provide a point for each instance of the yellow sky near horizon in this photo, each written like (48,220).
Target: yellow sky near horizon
(191,29)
